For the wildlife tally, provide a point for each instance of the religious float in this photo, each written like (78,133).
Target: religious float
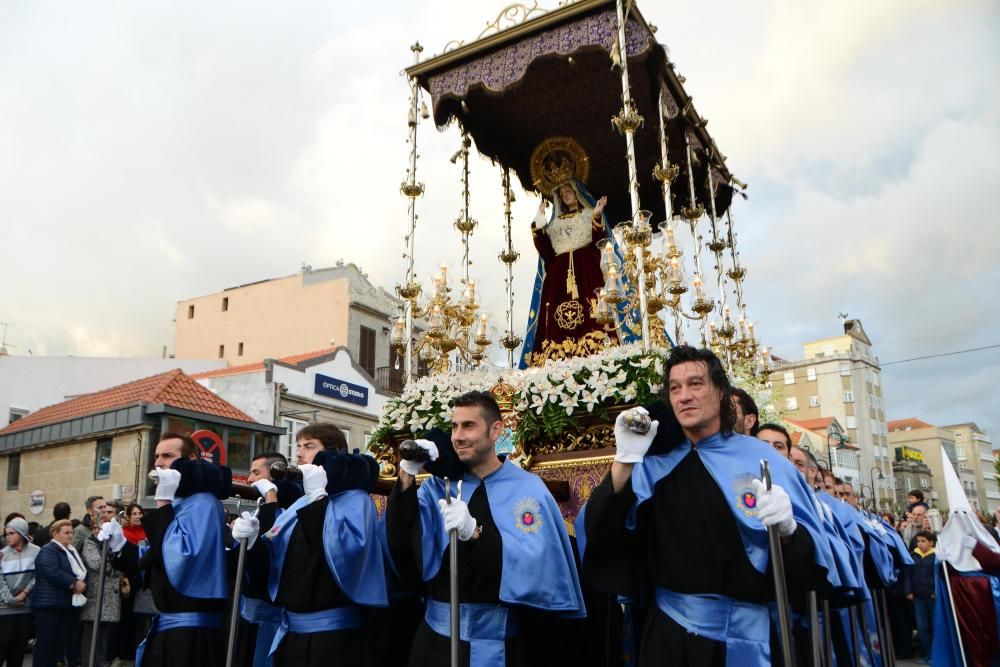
(577,100)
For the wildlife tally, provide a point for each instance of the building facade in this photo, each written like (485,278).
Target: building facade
(311,310)
(326,385)
(974,451)
(822,438)
(103,443)
(911,473)
(926,442)
(840,377)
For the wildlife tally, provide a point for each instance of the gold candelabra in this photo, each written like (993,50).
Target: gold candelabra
(453,325)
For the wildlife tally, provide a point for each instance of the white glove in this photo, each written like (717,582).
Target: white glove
(456,517)
(169,480)
(631,447)
(112,532)
(416,467)
(264,486)
(246,527)
(774,508)
(313,481)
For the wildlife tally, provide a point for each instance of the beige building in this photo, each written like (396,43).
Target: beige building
(102,443)
(974,450)
(276,318)
(916,440)
(840,377)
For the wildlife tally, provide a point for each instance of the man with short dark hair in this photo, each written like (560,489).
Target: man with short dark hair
(60,511)
(850,497)
(186,564)
(805,463)
(747,414)
(778,437)
(318,437)
(687,529)
(95,507)
(514,555)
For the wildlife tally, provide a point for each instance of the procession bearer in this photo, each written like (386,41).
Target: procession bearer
(685,532)
(514,557)
(186,564)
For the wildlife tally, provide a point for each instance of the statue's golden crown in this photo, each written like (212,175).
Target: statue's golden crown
(556,161)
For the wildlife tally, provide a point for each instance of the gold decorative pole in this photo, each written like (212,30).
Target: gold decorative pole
(692,212)
(628,121)
(410,188)
(508,256)
(665,173)
(717,246)
(465,224)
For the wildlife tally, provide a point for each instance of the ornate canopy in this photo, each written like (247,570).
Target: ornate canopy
(552,75)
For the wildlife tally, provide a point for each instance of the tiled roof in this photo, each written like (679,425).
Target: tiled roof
(902,424)
(796,438)
(172,388)
(818,424)
(259,366)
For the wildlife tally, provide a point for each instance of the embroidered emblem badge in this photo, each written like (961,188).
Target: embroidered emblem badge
(746,499)
(528,514)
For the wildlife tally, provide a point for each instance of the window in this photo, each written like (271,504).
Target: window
(15,414)
(792,403)
(811,374)
(848,397)
(814,401)
(960,452)
(102,459)
(852,421)
(845,368)
(790,377)
(367,352)
(225,303)
(238,449)
(13,472)
(239,350)
(191,312)
(222,351)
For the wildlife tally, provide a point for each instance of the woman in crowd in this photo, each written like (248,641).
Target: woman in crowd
(17,578)
(57,596)
(134,532)
(111,605)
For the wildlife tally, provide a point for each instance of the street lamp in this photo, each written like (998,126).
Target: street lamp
(880,476)
(841,439)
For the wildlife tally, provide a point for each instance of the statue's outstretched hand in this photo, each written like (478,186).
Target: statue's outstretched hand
(599,206)
(543,205)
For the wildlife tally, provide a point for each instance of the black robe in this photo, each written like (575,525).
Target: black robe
(686,541)
(180,647)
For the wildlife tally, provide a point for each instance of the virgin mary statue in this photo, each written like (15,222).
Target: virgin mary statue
(569,273)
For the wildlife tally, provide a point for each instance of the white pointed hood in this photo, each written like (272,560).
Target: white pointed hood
(963,529)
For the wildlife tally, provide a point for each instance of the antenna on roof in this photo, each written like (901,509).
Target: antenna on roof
(3,341)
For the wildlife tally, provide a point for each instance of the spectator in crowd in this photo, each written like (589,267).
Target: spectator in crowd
(920,589)
(95,507)
(913,524)
(60,512)
(33,528)
(57,596)
(134,532)
(747,415)
(17,578)
(913,497)
(995,528)
(111,604)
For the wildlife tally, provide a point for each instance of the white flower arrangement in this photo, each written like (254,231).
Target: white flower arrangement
(549,399)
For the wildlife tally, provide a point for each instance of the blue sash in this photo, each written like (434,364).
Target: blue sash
(163,622)
(743,627)
(484,626)
(327,620)
(267,618)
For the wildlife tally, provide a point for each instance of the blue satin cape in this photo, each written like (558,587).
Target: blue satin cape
(733,461)
(539,569)
(350,544)
(193,547)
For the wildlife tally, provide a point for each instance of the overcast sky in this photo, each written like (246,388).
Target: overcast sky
(151,152)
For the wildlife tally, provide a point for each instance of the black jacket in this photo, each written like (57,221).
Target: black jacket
(920,575)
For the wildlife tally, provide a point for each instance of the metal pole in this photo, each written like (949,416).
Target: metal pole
(869,651)
(96,632)
(412,190)
(453,579)
(234,615)
(853,613)
(954,612)
(827,634)
(890,650)
(780,587)
(816,639)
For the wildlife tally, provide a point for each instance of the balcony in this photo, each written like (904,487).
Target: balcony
(389,380)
